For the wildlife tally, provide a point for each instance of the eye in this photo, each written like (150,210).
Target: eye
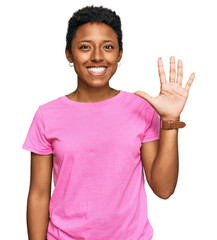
(84,47)
(109,47)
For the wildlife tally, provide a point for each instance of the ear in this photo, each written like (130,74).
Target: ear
(120,55)
(68,55)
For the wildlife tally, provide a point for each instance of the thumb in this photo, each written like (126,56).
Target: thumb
(144,95)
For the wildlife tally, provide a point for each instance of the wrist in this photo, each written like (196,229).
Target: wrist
(165,118)
(171,124)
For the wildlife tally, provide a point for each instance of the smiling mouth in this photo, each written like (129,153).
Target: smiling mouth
(96,70)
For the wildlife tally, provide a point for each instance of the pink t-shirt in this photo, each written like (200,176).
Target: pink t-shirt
(99,189)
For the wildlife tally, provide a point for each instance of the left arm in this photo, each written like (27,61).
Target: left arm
(160,158)
(160,162)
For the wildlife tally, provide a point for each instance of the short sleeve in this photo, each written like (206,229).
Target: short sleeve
(36,140)
(152,122)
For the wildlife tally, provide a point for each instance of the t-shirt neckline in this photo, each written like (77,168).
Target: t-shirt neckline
(99,103)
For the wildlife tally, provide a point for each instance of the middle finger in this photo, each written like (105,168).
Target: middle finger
(172,70)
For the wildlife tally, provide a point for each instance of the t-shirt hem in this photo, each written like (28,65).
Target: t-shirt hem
(151,138)
(36,150)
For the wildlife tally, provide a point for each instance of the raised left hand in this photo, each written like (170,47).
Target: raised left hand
(172,97)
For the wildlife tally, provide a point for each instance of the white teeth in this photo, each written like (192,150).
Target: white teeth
(98,69)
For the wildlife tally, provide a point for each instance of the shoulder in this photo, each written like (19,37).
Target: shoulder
(51,109)
(135,100)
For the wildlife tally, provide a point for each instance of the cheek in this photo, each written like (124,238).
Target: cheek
(113,59)
(114,63)
(80,58)
(79,61)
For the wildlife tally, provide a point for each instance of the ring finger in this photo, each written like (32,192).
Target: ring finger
(180,73)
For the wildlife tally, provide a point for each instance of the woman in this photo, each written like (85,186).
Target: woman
(97,139)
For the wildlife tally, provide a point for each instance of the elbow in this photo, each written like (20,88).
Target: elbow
(163,191)
(164,195)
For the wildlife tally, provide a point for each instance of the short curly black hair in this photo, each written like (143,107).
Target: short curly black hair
(93,14)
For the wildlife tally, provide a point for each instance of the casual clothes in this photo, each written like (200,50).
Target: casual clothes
(99,189)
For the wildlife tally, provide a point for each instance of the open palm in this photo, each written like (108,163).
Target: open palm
(172,97)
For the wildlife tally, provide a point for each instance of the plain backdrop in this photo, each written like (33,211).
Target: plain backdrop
(34,70)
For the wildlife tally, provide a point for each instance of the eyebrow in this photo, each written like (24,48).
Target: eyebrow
(91,41)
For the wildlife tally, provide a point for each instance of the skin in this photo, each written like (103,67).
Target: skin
(94,51)
(39,196)
(159,158)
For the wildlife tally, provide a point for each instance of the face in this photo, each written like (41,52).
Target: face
(95,53)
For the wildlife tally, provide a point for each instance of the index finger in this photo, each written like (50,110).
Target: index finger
(189,82)
(161,71)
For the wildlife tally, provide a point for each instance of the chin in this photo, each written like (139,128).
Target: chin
(97,83)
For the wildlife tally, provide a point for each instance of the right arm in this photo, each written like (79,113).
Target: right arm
(39,196)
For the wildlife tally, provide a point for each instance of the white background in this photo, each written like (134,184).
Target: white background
(34,70)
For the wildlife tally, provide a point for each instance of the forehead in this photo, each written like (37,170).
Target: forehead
(91,31)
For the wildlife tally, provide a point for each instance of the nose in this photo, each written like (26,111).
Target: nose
(97,55)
